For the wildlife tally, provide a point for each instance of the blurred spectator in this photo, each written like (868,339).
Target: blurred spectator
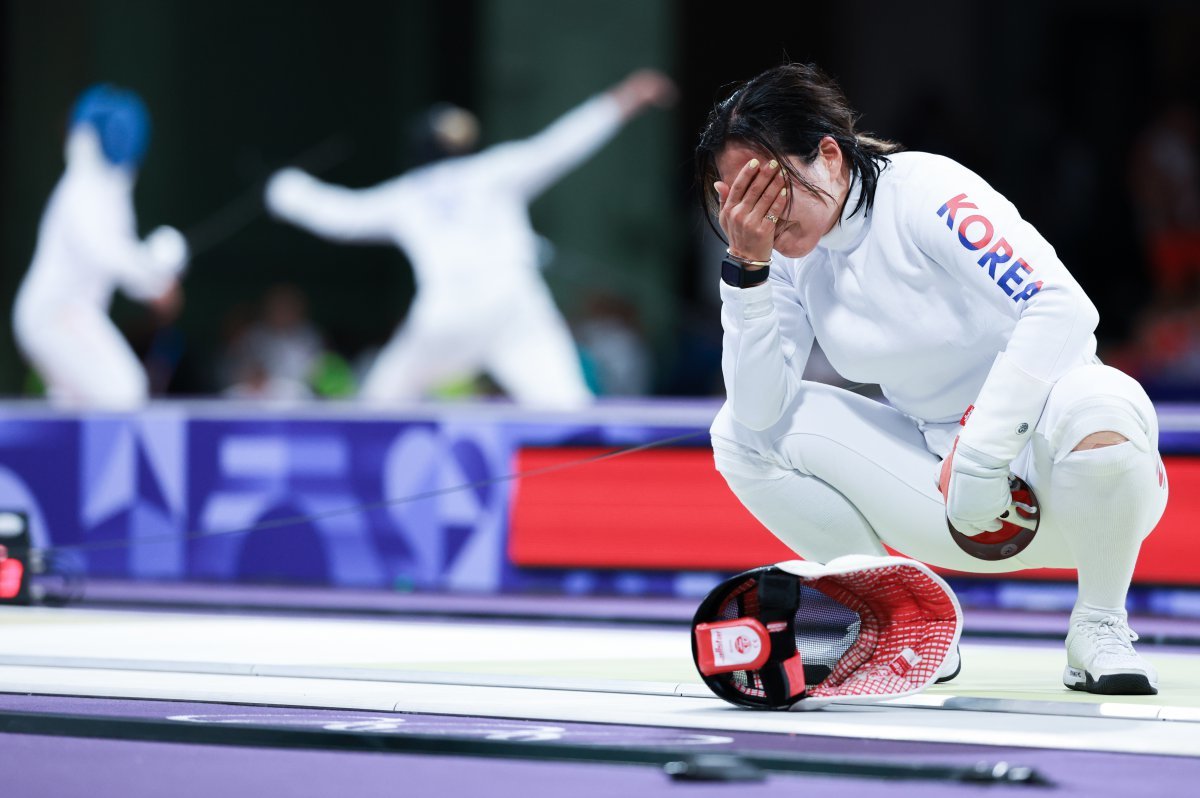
(277,354)
(157,340)
(481,304)
(1164,354)
(237,321)
(613,347)
(1165,181)
(284,340)
(87,247)
(255,381)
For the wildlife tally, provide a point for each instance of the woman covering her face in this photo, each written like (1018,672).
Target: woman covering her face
(914,274)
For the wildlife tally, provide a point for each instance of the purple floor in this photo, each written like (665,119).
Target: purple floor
(64,768)
(49,766)
(32,765)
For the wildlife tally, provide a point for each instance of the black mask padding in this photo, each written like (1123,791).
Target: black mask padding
(778,601)
(774,598)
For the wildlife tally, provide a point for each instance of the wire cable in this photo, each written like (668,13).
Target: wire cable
(101,545)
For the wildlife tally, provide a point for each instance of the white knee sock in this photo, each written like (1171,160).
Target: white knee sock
(810,517)
(1105,501)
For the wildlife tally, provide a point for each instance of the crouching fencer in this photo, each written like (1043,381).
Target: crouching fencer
(913,273)
(481,304)
(87,246)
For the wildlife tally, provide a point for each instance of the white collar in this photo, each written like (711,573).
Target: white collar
(850,229)
(85,154)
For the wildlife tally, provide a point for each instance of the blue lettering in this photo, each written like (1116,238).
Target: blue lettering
(1000,252)
(1028,291)
(1014,275)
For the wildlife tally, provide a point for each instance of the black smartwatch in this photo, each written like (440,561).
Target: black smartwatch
(739,276)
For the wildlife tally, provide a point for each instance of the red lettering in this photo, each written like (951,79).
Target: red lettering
(952,207)
(982,241)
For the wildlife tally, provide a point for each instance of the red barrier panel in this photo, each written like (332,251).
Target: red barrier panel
(668,509)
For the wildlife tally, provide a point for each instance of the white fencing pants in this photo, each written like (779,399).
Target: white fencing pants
(842,474)
(82,357)
(523,344)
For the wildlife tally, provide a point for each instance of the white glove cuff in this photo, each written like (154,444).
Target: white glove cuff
(286,191)
(167,250)
(1006,411)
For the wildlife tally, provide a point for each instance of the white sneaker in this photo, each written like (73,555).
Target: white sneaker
(951,667)
(1101,659)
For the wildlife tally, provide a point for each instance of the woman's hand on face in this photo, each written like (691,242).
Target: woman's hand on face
(759,191)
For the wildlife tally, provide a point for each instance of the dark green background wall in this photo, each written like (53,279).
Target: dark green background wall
(1044,98)
(236,89)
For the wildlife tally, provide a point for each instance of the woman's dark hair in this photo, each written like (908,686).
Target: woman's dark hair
(786,111)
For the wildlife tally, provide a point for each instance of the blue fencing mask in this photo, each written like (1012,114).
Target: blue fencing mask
(120,120)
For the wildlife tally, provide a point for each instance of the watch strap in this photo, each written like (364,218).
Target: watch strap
(737,275)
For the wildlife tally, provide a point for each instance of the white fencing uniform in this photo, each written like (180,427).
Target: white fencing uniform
(480,303)
(87,246)
(922,295)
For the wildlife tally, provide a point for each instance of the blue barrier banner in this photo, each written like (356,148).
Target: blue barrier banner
(334,496)
(415,500)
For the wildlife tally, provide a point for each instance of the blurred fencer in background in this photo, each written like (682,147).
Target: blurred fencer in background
(87,247)
(481,305)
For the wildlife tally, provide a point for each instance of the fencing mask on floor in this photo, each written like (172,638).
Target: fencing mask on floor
(800,634)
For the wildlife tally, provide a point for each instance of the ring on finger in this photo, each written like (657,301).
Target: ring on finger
(772,218)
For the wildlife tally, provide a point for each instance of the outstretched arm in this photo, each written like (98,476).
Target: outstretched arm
(643,89)
(531,165)
(334,212)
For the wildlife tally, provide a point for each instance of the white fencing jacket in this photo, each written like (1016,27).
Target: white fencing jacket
(920,296)
(87,245)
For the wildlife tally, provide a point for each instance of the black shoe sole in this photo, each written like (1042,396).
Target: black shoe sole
(1117,684)
(957,671)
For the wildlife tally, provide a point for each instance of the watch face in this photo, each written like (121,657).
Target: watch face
(739,276)
(731,273)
